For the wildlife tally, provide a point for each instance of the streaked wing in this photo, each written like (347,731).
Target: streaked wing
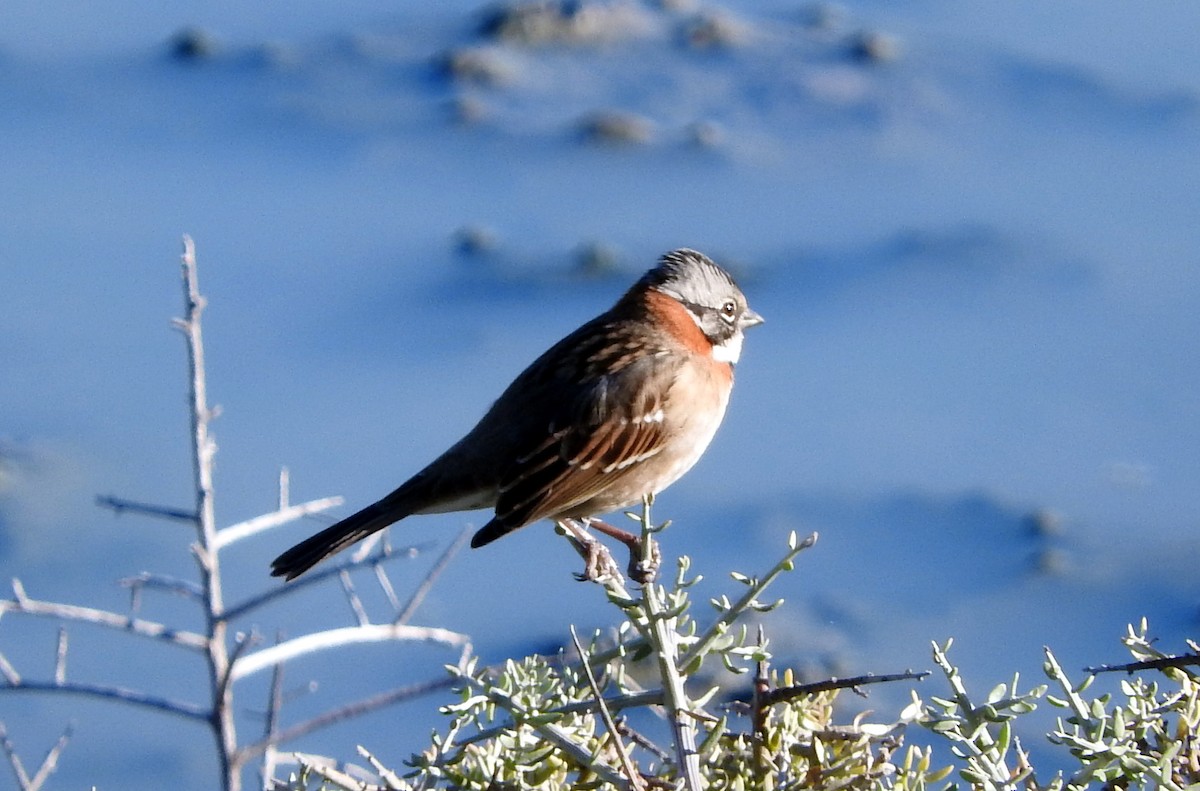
(610,426)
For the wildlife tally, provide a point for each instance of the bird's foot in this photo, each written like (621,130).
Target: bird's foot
(599,565)
(643,564)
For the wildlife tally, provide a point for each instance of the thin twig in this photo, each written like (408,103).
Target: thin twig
(119,505)
(349,711)
(356,605)
(641,740)
(1161,663)
(50,762)
(320,575)
(336,638)
(242,642)
(285,488)
(109,692)
(10,673)
(631,770)
(185,588)
(70,612)
(14,760)
(60,657)
(784,694)
(271,727)
(426,585)
(385,584)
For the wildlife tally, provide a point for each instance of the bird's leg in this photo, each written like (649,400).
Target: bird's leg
(641,569)
(598,561)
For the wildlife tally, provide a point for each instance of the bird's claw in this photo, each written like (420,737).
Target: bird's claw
(599,565)
(644,566)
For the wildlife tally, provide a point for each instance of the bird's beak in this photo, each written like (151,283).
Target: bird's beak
(750,318)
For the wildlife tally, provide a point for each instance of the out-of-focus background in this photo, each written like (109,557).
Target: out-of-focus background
(973,232)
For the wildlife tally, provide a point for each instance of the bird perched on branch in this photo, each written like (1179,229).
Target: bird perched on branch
(620,408)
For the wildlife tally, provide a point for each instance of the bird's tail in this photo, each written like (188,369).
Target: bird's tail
(334,539)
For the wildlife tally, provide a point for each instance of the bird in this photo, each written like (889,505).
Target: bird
(619,409)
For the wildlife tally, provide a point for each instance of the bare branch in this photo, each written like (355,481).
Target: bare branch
(10,673)
(50,762)
(121,694)
(784,694)
(242,642)
(14,760)
(327,770)
(120,505)
(349,711)
(274,705)
(390,778)
(360,612)
(285,488)
(313,578)
(385,584)
(641,740)
(631,771)
(260,524)
(185,588)
(336,638)
(1160,663)
(70,612)
(204,448)
(60,658)
(426,585)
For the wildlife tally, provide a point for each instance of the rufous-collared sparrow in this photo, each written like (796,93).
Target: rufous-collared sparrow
(618,409)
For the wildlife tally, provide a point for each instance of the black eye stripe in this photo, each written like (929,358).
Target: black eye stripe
(700,311)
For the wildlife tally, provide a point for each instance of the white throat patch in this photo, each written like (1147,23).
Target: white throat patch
(728,351)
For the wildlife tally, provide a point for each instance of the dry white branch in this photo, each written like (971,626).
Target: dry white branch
(336,638)
(60,659)
(391,780)
(327,770)
(10,673)
(204,447)
(71,612)
(49,763)
(274,519)
(360,612)
(14,760)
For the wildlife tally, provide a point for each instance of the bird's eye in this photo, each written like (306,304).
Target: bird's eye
(729,310)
